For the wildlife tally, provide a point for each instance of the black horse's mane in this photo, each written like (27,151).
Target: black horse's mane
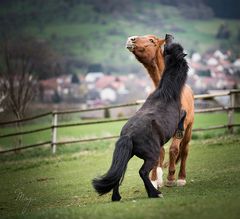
(150,128)
(174,75)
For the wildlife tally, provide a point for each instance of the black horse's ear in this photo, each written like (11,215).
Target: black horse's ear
(181,55)
(169,36)
(169,39)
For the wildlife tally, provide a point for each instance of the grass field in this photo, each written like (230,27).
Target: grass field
(35,184)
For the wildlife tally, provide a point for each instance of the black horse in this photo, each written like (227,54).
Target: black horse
(150,128)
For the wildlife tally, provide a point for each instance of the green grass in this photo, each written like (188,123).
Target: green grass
(36,184)
(60,186)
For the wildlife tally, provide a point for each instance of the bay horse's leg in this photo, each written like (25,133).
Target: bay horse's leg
(174,149)
(184,154)
(173,157)
(157,171)
(115,195)
(144,173)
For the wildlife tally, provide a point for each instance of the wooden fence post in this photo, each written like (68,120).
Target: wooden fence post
(54,132)
(231,113)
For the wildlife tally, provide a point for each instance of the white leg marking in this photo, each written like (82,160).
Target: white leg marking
(154,183)
(159,177)
(181,182)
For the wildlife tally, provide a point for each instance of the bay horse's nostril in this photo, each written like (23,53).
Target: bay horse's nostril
(133,38)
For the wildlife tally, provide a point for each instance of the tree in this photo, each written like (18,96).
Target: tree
(22,62)
(223,32)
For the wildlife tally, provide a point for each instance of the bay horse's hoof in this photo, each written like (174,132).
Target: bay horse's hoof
(160,195)
(181,182)
(160,184)
(170,183)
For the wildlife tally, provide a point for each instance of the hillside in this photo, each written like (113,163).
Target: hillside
(86,32)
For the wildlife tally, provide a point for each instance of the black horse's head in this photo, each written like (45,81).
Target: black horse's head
(175,50)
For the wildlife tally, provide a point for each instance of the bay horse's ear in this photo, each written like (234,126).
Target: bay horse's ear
(161,42)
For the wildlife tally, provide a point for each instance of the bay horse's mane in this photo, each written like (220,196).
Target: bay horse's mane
(170,87)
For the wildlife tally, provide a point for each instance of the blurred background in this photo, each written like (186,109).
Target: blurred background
(58,55)
(62,54)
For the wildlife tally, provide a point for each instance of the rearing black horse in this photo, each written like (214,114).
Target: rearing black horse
(150,128)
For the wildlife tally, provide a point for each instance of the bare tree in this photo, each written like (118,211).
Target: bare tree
(23,60)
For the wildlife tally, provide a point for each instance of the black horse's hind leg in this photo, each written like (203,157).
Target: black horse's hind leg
(144,173)
(115,195)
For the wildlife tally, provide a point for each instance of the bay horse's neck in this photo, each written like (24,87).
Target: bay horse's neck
(156,67)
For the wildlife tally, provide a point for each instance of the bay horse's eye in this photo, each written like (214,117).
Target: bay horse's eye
(151,40)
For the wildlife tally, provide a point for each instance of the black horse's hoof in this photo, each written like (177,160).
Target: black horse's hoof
(116,198)
(156,194)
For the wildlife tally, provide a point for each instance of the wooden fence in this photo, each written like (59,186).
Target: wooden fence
(53,142)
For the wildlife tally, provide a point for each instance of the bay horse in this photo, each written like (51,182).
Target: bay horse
(148,51)
(150,128)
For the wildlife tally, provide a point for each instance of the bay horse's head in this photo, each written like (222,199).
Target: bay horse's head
(145,48)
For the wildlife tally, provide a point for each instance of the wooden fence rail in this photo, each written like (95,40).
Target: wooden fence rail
(55,125)
(215,109)
(26,119)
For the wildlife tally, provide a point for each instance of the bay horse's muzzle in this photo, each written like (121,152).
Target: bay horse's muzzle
(130,44)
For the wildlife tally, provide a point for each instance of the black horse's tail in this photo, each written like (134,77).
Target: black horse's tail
(121,156)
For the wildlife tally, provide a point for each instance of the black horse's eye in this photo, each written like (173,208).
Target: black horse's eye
(151,40)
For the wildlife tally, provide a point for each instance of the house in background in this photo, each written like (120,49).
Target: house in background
(111,87)
(212,71)
(67,88)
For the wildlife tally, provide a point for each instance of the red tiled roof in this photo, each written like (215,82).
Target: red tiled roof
(110,81)
(49,83)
